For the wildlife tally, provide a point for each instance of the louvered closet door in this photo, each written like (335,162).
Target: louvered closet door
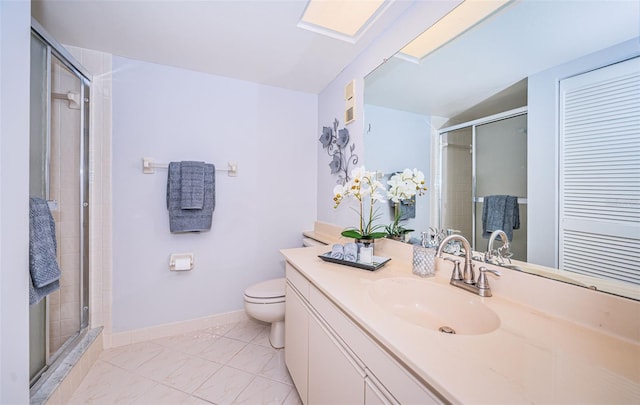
(600,172)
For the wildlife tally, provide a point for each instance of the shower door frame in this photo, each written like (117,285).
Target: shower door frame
(55,49)
(474,198)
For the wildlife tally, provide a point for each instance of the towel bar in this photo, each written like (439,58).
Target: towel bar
(521,200)
(149,166)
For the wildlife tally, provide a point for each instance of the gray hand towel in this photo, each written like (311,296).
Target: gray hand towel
(192,185)
(350,252)
(43,264)
(337,251)
(191,220)
(37,294)
(500,212)
(407,209)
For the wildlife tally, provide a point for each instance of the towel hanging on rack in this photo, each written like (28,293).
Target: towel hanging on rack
(44,271)
(189,220)
(192,185)
(500,212)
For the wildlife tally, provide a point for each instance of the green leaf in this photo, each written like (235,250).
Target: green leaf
(351,233)
(376,235)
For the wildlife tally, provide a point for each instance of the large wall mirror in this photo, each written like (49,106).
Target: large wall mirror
(480,116)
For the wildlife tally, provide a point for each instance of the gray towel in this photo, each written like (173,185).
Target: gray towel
(43,264)
(37,294)
(350,252)
(337,251)
(192,185)
(191,220)
(500,212)
(407,209)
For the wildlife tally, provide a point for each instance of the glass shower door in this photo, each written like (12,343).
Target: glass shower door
(59,173)
(487,156)
(501,169)
(38,180)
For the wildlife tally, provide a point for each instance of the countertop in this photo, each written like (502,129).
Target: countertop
(534,356)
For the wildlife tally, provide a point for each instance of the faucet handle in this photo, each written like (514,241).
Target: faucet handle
(457,274)
(483,283)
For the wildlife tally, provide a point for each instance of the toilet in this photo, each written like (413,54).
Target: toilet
(265,302)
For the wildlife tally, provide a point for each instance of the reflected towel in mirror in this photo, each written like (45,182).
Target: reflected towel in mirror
(500,212)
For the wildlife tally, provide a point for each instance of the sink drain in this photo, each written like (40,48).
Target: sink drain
(447,329)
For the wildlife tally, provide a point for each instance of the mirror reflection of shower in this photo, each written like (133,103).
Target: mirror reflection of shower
(58,173)
(481,158)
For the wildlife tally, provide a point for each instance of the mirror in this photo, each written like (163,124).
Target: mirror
(485,71)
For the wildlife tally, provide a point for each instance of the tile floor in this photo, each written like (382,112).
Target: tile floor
(230,364)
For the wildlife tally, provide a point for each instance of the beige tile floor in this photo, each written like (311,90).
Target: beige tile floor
(231,364)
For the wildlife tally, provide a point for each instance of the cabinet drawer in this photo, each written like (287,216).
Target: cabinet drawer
(297,280)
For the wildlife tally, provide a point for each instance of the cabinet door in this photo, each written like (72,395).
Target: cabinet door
(333,377)
(373,395)
(297,341)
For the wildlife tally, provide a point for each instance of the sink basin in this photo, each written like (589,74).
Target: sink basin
(434,306)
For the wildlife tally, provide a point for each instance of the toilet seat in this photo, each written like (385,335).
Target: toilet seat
(266,292)
(265,302)
(252,300)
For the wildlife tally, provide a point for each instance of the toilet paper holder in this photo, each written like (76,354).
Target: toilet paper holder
(181,261)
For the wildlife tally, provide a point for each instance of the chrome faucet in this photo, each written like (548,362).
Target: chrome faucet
(467,280)
(496,256)
(467,271)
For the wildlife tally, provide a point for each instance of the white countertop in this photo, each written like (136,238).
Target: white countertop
(533,357)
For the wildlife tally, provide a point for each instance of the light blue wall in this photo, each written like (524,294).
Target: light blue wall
(15,31)
(542,135)
(331,102)
(393,136)
(172,114)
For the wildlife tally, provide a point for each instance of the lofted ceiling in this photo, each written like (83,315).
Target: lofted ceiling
(253,40)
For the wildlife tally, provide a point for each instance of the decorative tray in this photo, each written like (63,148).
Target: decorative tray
(378,262)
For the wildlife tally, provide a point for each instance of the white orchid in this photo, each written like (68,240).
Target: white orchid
(403,187)
(367,190)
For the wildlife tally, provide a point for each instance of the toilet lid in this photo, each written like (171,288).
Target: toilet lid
(267,289)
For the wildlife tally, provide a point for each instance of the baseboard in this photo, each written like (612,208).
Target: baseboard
(174,328)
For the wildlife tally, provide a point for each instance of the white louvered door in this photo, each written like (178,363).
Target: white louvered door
(600,172)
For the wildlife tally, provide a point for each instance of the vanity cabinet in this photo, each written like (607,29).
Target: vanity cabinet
(334,377)
(297,339)
(332,360)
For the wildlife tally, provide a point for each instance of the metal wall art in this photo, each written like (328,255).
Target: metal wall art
(335,141)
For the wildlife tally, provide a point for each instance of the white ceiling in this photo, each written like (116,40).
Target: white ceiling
(253,40)
(258,41)
(524,38)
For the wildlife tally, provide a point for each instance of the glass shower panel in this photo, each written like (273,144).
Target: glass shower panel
(65,188)
(59,172)
(501,169)
(457,182)
(38,179)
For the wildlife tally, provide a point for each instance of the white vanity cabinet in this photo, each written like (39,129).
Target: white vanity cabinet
(332,360)
(296,337)
(334,377)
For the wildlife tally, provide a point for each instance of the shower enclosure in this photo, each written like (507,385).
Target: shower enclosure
(59,145)
(484,157)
